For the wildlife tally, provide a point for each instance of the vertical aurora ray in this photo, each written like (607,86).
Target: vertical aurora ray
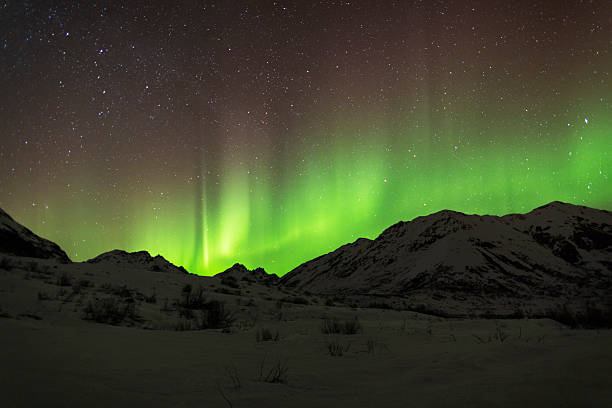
(354,187)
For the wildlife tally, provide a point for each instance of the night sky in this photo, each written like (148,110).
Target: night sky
(269,133)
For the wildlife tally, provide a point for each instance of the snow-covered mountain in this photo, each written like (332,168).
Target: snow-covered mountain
(557,250)
(15,239)
(240,272)
(138,260)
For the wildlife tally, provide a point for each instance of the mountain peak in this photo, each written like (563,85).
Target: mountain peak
(558,205)
(240,272)
(138,259)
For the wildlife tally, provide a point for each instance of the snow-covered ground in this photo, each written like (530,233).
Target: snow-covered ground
(52,357)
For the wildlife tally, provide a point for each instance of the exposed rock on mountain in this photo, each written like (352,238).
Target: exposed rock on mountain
(239,272)
(15,239)
(557,250)
(140,260)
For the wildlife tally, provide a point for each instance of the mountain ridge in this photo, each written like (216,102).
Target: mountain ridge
(555,250)
(558,249)
(239,272)
(139,259)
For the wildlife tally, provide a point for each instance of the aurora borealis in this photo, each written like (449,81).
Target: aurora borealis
(269,133)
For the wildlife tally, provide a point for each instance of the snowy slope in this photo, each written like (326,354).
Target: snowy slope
(15,239)
(555,250)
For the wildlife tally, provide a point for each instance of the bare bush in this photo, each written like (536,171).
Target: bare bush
(217,317)
(587,316)
(77,286)
(44,296)
(192,298)
(296,300)
(277,373)
(117,290)
(337,349)
(206,314)
(265,334)
(334,326)
(231,371)
(500,334)
(109,310)
(65,279)
(231,282)
(374,346)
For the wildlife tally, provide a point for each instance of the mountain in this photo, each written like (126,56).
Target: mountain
(239,272)
(138,260)
(15,239)
(557,250)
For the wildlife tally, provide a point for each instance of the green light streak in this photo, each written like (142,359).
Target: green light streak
(352,181)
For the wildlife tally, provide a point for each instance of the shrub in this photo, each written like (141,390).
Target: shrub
(330,326)
(85,283)
(334,326)
(61,294)
(296,300)
(379,305)
(36,267)
(230,281)
(64,279)
(30,316)
(43,296)
(117,290)
(165,307)
(371,346)
(225,291)
(589,317)
(232,374)
(500,334)
(264,334)
(337,349)
(186,313)
(216,316)
(213,314)
(109,310)
(352,326)
(192,299)
(183,325)
(276,374)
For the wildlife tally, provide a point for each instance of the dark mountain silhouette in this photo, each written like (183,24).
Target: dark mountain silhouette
(15,239)
(557,250)
(139,260)
(239,272)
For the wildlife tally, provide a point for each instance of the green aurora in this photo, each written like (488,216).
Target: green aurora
(269,134)
(348,189)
